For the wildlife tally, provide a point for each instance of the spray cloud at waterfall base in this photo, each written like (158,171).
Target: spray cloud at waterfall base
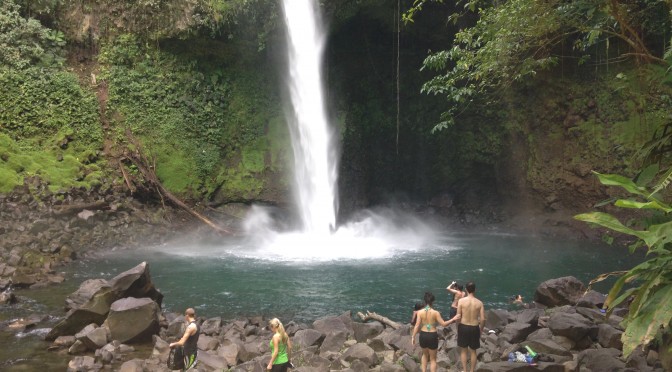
(369,235)
(380,234)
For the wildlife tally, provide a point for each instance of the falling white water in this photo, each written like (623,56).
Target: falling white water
(314,158)
(369,235)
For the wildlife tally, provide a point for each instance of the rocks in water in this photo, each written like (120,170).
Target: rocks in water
(133,319)
(561,291)
(135,282)
(571,338)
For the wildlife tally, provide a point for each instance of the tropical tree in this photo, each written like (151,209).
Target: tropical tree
(512,41)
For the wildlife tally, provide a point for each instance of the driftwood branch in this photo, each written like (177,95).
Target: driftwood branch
(76,208)
(373,316)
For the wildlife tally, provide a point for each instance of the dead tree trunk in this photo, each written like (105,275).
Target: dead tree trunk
(146,169)
(373,316)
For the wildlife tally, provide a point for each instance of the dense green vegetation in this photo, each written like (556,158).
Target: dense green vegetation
(48,123)
(524,97)
(197,118)
(512,42)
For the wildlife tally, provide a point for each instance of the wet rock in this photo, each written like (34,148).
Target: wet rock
(135,282)
(133,319)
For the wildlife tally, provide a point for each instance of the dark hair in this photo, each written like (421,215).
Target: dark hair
(429,298)
(418,306)
(459,288)
(471,287)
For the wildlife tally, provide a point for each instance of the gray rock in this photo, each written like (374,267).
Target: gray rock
(333,324)
(133,319)
(214,362)
(361,352)
(516,332)
(81,363)
(366,331)
(229,351)
(308,337)
(560,291)
(333,342)
(133,365)
(573,326)
(609,337)
(602,360)
(211,326)
(207,343)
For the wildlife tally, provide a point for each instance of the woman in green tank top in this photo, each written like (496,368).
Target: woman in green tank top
(281,347)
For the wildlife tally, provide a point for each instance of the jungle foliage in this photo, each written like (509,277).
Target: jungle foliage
(511,42)
(650,292)
(48,123)
(514,40)
(196,118)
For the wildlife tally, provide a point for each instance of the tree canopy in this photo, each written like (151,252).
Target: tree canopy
(511,41)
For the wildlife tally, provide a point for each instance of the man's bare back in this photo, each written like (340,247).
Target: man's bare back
(471,309)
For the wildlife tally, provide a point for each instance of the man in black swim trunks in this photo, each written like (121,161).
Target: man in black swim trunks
(472,320)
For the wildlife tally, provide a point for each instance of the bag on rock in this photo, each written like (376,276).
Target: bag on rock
(176,358)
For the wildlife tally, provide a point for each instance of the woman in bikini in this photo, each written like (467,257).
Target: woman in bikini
(458,292)
(426,323)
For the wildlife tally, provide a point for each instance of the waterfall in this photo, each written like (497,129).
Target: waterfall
(315,159)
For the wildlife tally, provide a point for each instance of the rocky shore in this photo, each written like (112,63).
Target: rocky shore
(564,326)
(42,230)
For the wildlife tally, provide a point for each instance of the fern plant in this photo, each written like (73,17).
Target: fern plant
(649,284)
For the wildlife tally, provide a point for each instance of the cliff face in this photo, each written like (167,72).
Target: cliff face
(208,110)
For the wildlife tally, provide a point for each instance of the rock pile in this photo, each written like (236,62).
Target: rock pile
(565,327)
(40,229)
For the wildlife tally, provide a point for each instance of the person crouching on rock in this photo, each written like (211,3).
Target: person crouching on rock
(189,340)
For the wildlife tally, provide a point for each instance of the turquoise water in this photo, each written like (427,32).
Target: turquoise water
(235,278)
(229,280)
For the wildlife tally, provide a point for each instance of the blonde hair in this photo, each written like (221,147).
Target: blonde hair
(275,322)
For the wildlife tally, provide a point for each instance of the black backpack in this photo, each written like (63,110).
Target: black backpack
(176,358)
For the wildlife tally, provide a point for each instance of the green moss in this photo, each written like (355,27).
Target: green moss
(175,169)
(57,168)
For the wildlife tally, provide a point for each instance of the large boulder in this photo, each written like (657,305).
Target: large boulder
(135,282)
(334,324)
(571,325)
(366,331)
(333,342)
(516,332)
(84,293)
(560,291)
(602,359)
(308,337)
(361,352)
(133,319)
